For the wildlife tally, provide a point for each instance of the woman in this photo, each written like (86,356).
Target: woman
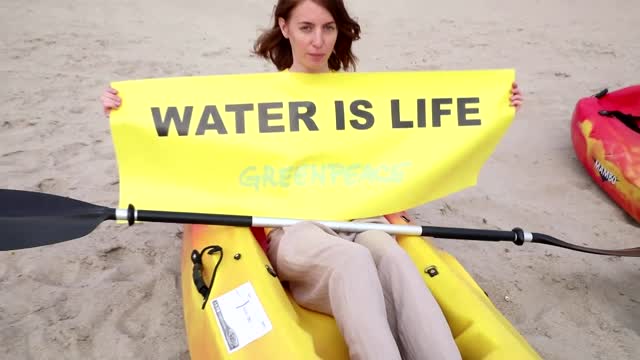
(366,281)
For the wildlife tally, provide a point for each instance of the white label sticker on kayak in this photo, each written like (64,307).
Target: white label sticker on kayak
(240,316)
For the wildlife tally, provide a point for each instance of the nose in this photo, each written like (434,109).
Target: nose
(318,38)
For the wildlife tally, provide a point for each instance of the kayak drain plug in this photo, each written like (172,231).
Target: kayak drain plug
(431,270)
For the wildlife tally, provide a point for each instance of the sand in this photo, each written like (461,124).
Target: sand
(115,293)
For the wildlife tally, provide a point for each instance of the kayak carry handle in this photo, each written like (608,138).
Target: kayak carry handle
(602,93)
(198,279)
(198,267)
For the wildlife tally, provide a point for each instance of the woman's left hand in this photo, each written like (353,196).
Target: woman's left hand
(516,96)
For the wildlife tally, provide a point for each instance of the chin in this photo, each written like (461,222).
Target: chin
(317,67)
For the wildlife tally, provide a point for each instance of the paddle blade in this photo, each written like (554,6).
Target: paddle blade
(30,219)
(550,240)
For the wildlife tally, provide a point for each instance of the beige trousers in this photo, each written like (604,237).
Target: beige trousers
(368,283)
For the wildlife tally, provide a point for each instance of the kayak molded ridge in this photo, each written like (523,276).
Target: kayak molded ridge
(479,329)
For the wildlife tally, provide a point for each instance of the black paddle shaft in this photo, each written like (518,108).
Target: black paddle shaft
(192,218)
(470,234)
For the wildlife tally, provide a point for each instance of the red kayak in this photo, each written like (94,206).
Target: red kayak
(605,131)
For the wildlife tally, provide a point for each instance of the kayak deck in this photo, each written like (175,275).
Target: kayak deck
(479,329)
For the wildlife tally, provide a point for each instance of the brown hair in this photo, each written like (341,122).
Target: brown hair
(274,46)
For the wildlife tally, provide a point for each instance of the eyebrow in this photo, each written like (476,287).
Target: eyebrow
(310,23)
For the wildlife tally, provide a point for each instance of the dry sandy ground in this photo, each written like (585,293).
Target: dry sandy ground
(115,293)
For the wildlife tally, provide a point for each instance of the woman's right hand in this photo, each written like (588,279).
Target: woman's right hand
(110,100)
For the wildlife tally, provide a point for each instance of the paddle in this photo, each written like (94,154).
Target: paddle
(31,219)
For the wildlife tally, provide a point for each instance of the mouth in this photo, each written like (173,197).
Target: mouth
(316,56)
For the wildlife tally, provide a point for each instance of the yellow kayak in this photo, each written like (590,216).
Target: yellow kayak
(249,314)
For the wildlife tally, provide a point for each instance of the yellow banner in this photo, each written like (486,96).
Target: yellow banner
(332,146)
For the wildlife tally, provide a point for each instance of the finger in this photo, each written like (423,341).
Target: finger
(516,97)
(106,102)
(112,90)
(111,97)
(110,104)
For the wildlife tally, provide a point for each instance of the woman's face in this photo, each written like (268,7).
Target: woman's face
(312,32)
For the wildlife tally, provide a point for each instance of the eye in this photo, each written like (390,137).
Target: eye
(305,28)
(330,27)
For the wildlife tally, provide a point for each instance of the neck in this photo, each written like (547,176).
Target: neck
(296,67)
